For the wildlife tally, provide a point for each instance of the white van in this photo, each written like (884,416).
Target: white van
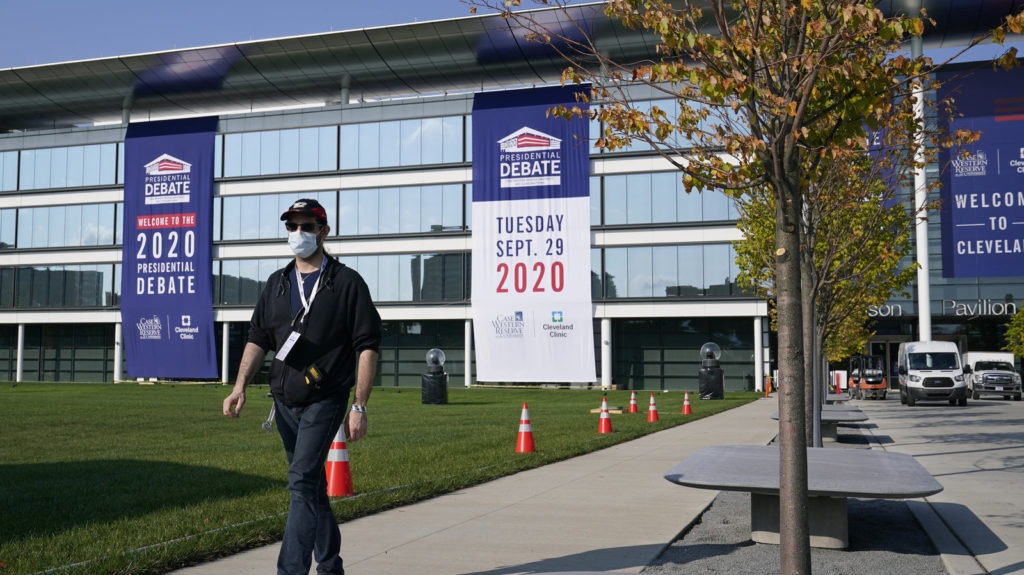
(931,370)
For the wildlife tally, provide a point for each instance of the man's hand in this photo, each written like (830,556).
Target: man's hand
(233,403)
(356,423)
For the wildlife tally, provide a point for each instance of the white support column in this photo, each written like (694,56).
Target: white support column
(224,352)
(924,296)
(118,335)
(758,354)
(606,353)
(19,370)
(468,379)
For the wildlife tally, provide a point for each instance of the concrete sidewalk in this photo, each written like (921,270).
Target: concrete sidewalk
(611,510)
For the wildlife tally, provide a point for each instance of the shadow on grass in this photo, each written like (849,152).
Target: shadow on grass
(47,498)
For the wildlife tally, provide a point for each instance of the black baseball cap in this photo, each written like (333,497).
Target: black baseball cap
(306,207)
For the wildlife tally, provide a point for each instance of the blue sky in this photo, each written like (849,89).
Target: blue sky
(47,31)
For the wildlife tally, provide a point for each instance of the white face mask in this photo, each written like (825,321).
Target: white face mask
(303,244)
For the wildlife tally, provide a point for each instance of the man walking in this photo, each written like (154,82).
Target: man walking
(318,317)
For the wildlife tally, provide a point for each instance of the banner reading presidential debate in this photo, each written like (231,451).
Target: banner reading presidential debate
(167,281)
(532,313)
(983,189)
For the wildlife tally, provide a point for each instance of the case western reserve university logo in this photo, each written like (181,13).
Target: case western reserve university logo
(973,165)
(168,180)
(530,158)
(150,327)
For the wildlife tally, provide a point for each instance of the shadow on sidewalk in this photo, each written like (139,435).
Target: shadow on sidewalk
(596,560)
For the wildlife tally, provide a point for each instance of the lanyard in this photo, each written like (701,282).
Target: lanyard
(302,291)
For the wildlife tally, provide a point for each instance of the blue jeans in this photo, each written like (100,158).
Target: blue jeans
(312,530)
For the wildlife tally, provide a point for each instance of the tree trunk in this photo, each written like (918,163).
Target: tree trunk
(807,306)
(793,525)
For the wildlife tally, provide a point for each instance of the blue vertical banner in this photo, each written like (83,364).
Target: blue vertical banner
(167,277)
(532,308)
(983,185)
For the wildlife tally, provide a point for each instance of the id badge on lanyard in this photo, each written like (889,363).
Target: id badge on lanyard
(300,318)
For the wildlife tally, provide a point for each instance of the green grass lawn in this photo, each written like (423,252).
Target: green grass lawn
(143,479)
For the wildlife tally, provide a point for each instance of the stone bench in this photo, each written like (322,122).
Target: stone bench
(833,415)
(833,476)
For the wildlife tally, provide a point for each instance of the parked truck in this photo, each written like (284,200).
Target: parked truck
(992,372)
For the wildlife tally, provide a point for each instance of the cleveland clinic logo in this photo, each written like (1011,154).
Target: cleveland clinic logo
(529,158)
(150,327)
(168,180)
(972,165)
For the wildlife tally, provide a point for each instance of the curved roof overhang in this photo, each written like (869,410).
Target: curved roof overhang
(428,58)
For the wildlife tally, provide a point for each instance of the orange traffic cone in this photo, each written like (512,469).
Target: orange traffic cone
(632,403)
(339,475)
(652,411)
(686,403)
(524,444)
(605,423)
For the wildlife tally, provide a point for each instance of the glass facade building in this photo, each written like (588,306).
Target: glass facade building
(382,138)
(377,126)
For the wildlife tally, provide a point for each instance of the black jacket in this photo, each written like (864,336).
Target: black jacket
(342,322)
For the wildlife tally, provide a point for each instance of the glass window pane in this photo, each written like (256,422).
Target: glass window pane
(74,170)
(90,225)
(267,219)
(409,206)
(615,197)
(350,147)
(42,169)
(639,198)
(716,269)
(328,148)
(369,219)
(308,153)
(249,228)
(716,205)
(431,140)
(451,206)
(119,224)
(690,271)
(108,164)
(451,140)
(369,142)
(91,160)
(641,271)
(270,152)
(348,213)
(8,171)
(40,227)
(410,137)
(665,271)
(467,143)
(595,201)
(431,208)
(367,267)
(388,278)
(72,225)
(59,168)
(218,156)
(232,155)
(388,208)
(27,179)
(55,219)
(616,272)
(596,285)
(250,154)
(8,232)
(231,218)
(390,144)
(408,277)
(105,222)
(289,151)
(663,197)
(688,205)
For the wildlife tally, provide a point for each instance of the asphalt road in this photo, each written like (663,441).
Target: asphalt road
(977,453)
